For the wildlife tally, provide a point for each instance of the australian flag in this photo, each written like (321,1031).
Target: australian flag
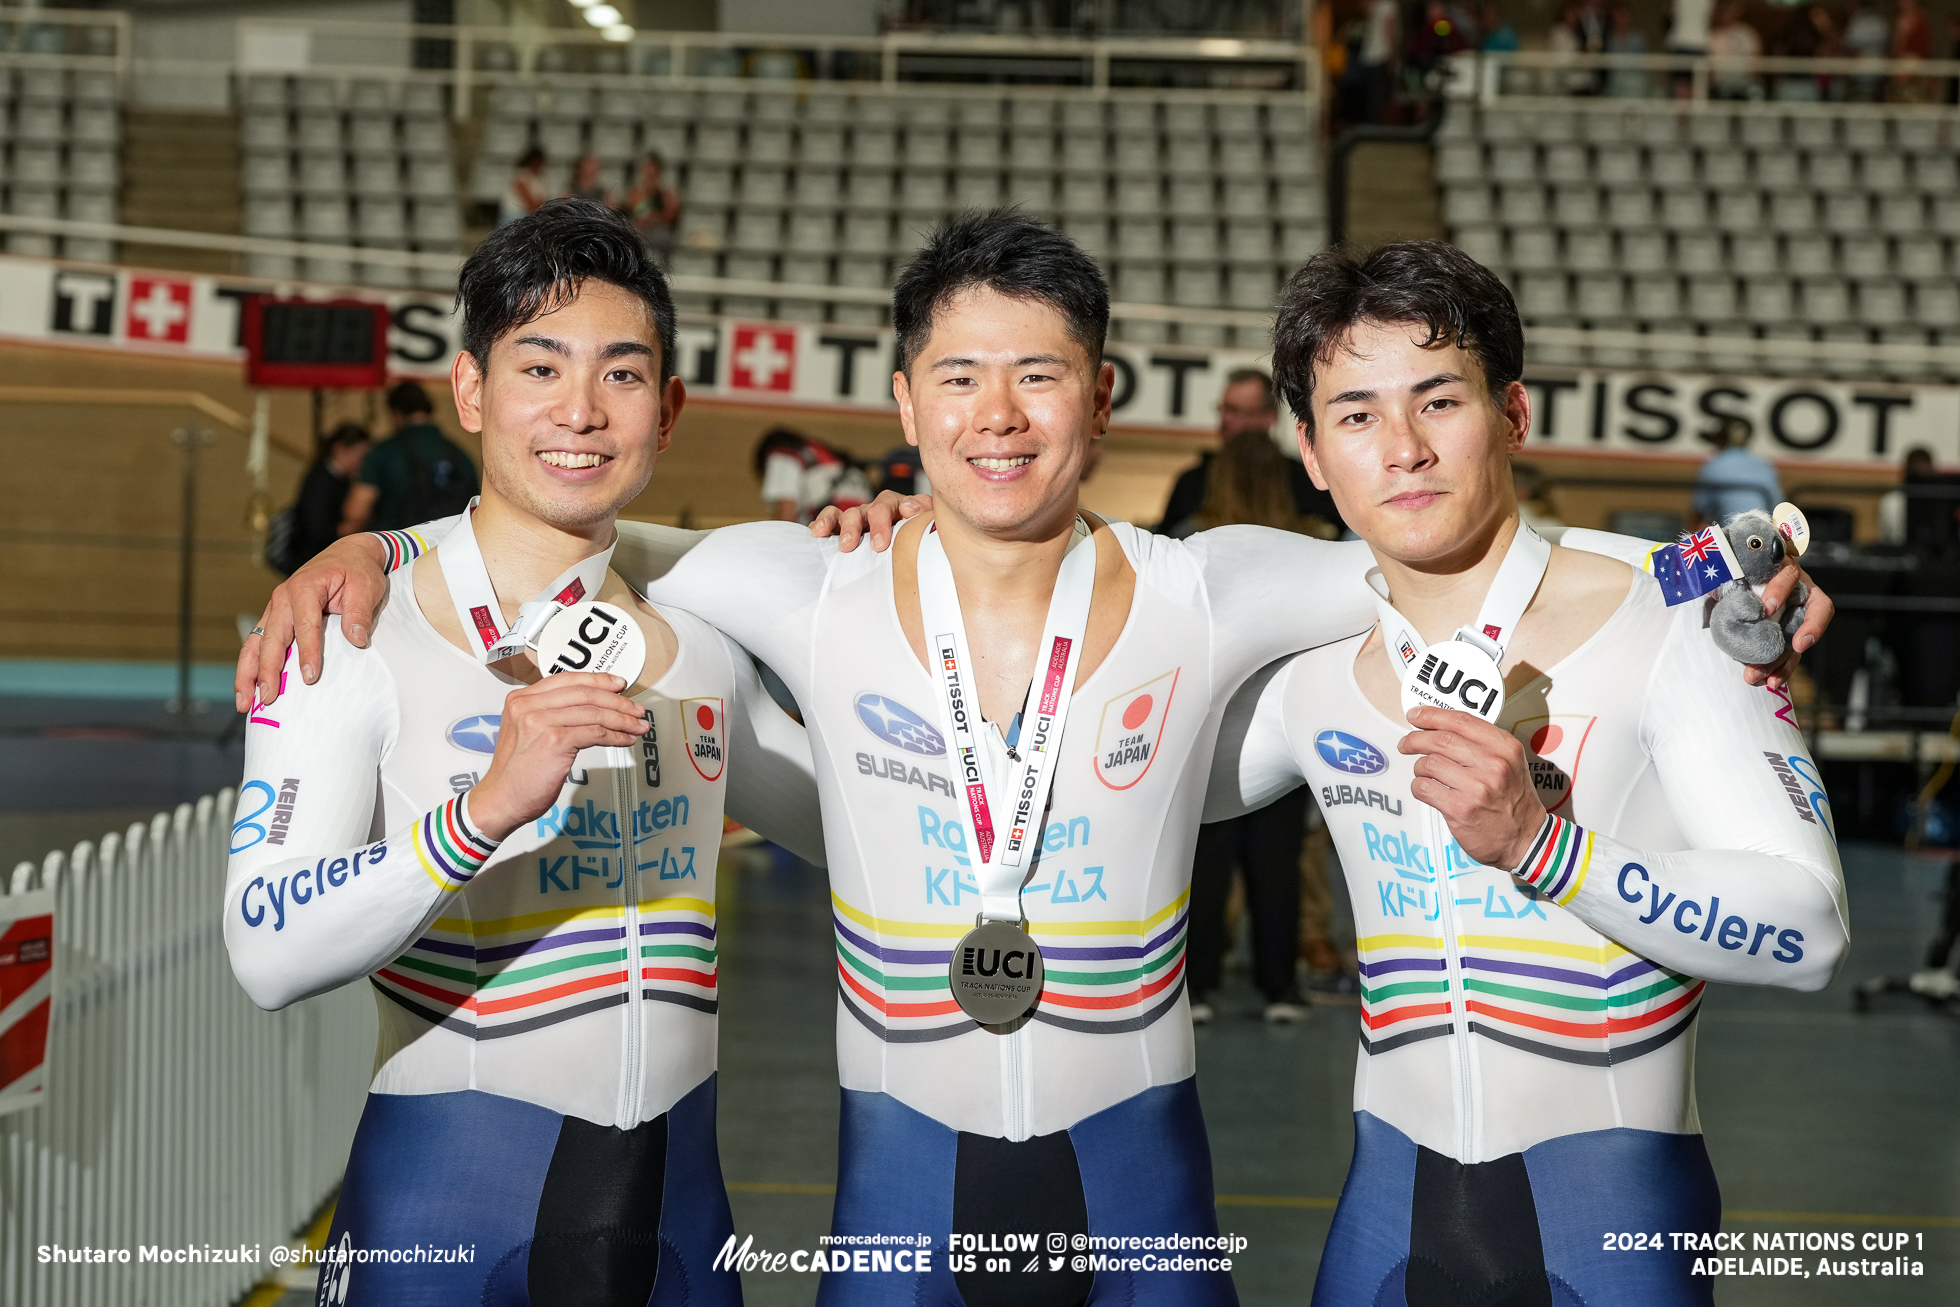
(1692,567)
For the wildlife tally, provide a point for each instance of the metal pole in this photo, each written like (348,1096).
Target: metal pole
(1344,146)
(187,439)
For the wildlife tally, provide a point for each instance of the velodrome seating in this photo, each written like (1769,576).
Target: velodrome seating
(1723,222)
(1196,201)
(61,131)
(366,163)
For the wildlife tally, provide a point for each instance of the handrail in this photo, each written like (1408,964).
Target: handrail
(1483,70)
(132,396)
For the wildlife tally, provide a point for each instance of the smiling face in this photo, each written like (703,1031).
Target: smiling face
(1412,445)
(1003,403)
(571,407)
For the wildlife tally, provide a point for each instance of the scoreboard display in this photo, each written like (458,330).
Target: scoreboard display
(315,343)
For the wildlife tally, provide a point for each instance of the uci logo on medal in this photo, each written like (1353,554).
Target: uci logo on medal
(476,734)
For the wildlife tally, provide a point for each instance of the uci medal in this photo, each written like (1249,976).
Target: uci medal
(593,637)
(996,973)
(1454,674)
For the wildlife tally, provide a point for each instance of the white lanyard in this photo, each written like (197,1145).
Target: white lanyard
(1464,672)
(998,861)
(468,579)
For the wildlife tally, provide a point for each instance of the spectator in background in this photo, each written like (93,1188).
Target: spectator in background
(1687,34)
(1912,38)
(1247,405)
(1246,484)
(1622,37)
(589,181)
(654,207)
(1436,39)
(1563,38)
(1794,37)
(416,475)
(527,189)
(1924,512)
(1734,480)
(801,477)
(1380,39)
(1733,48)
(1497,34)
(1867,36)
(318,514)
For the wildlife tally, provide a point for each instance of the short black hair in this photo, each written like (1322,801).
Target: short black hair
(1012,254)
(1438,287)
(530,267)
(407,398)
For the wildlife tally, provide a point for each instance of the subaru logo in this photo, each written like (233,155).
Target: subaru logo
(1349,753)
(894,723)
(476,734)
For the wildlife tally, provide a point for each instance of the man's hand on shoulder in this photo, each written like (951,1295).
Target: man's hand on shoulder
(1477,776)
(345,578)
(881,517)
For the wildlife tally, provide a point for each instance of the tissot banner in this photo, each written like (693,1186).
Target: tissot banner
(835,365)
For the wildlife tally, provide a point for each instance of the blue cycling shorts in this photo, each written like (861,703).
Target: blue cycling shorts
(475,1200)
(1417,1229)
(1141,1168)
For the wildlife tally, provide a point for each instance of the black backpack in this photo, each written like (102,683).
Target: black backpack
(439,486)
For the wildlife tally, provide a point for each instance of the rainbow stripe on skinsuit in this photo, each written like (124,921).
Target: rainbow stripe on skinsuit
(1556,865)
(401,546)
(1609,1008)
(449,848)
(494,978)
(892,975)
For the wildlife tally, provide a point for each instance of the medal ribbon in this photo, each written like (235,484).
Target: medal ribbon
(1510,594)
(475,597)
(998,857)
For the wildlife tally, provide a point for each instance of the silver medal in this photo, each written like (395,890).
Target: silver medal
(996,973)
(593,637)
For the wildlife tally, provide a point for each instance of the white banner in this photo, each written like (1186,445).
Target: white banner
(1794,420)
(835,365)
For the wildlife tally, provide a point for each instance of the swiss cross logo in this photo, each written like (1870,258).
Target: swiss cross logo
(764,358)
(159,310)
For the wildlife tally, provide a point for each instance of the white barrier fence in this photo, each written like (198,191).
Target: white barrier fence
(179,1118)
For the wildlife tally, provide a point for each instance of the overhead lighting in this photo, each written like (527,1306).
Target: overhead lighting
(602,16)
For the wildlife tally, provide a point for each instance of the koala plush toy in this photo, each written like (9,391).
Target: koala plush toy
(1736,618)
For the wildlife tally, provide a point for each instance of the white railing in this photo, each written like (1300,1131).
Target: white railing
(492,56)
(177,1114)
(1672,82)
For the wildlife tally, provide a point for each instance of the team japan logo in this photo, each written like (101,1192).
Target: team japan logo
(894,723)
(1553,746)
(702,721)
(1131,730)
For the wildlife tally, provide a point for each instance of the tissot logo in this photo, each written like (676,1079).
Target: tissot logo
(476,734)
(894,723)
(1349,753)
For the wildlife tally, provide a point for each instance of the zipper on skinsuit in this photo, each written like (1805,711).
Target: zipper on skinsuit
(1439,841)
(632,1051)
(1014,1085)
